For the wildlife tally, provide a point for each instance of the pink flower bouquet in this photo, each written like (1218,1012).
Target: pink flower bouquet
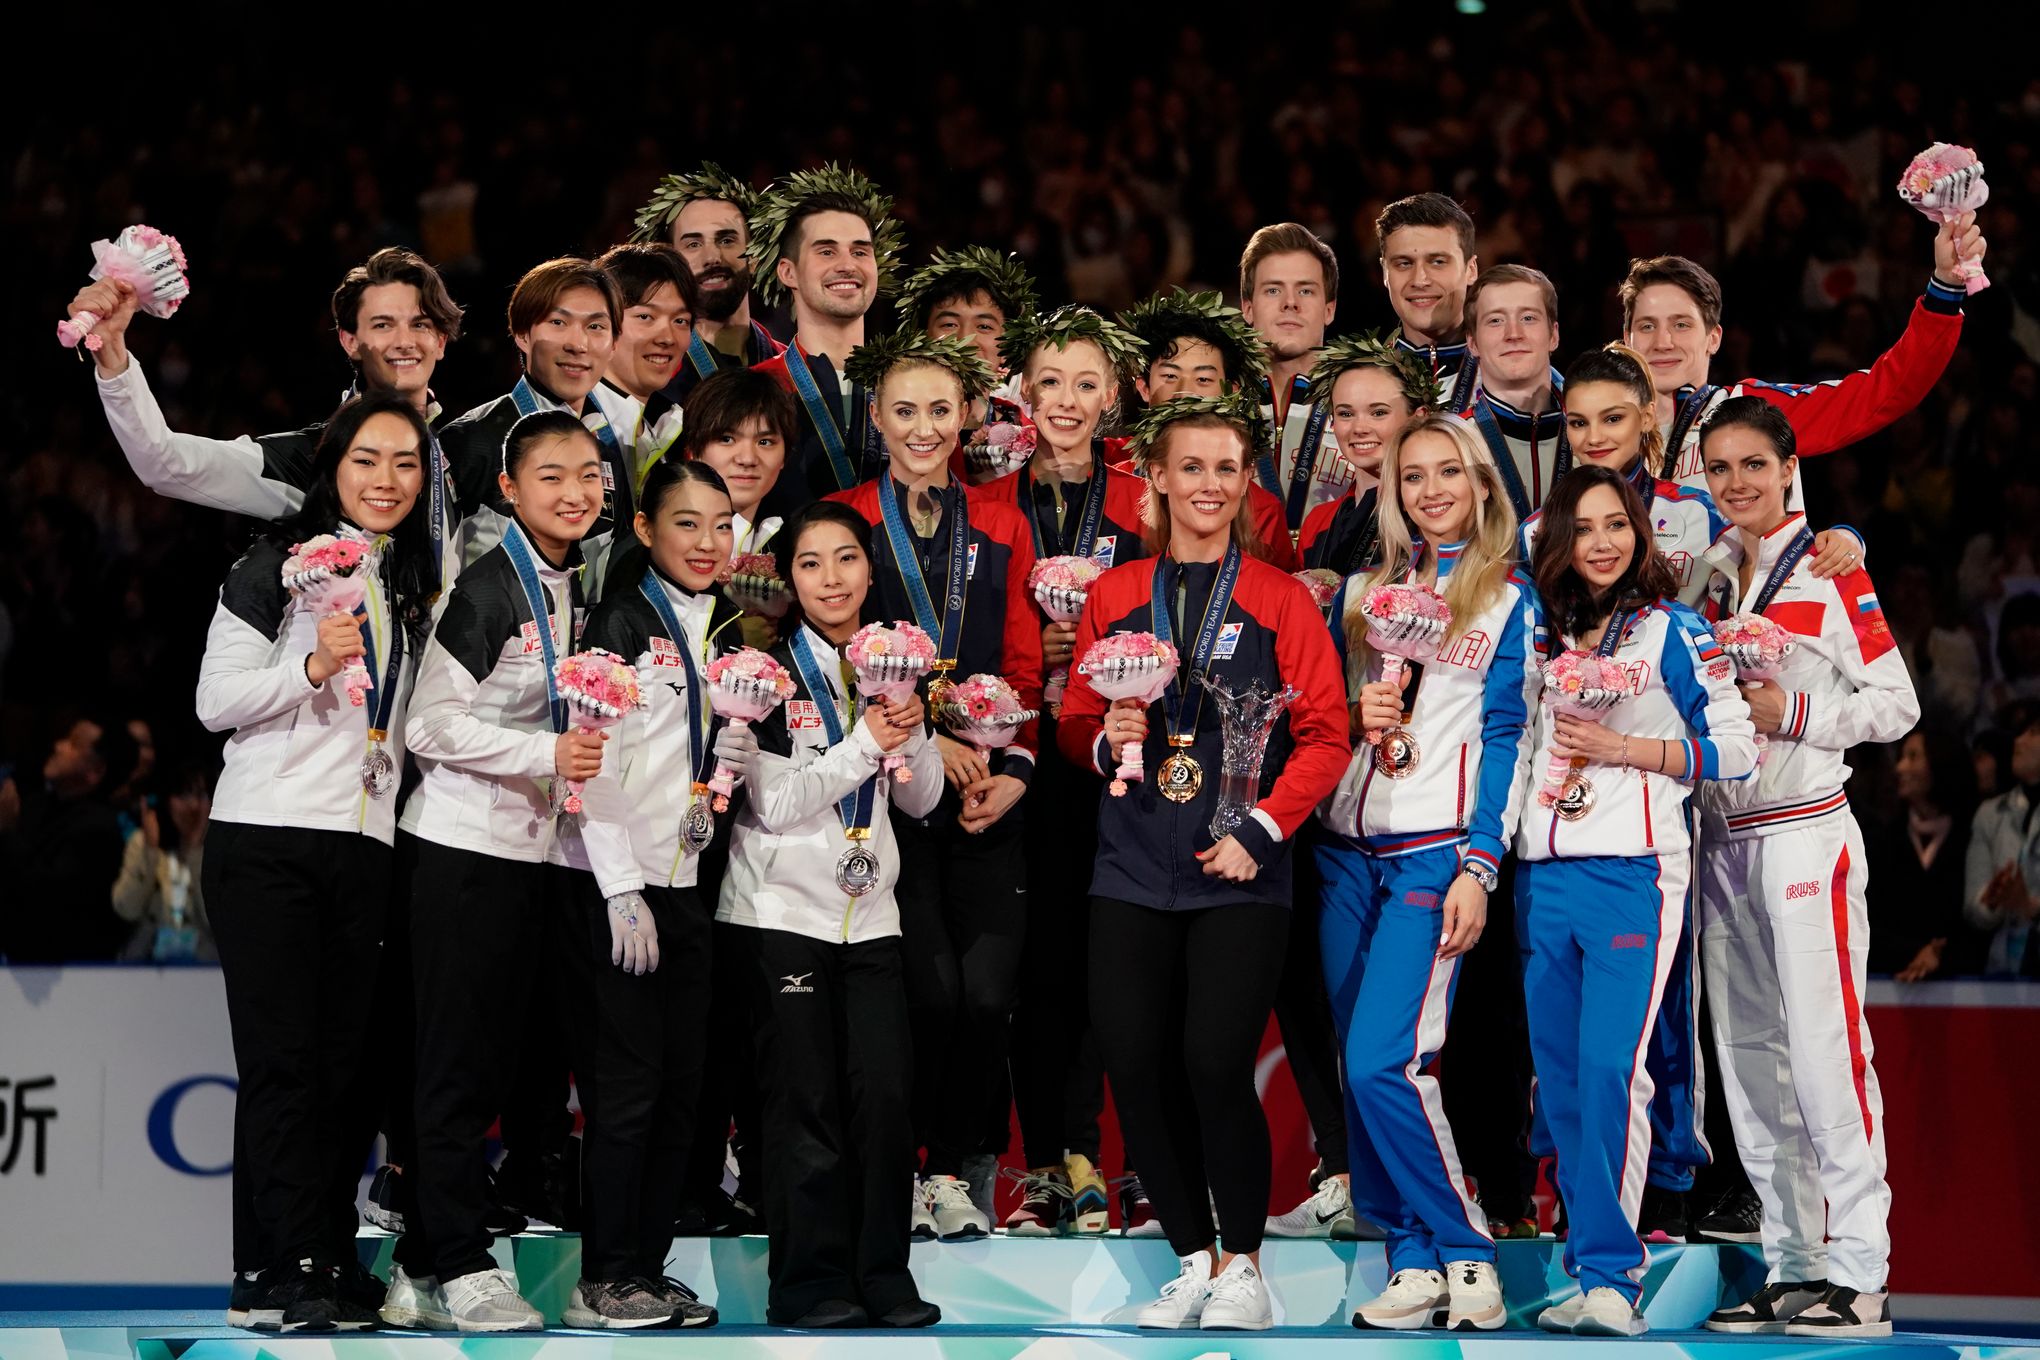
(1061,585)
(325,572)
(743,686)
(754,585)
(890,660)
(1129,666)
(985,712)
(1944,182)
(1323,584)
(1759,648)
(1405,623)
(600,687)
(999,447)
(145,260)
(1586,685)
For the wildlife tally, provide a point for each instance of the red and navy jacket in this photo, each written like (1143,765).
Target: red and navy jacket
(759,347)
(1342,535)
(1271,521)
(809,474)
(1272,632)
(1119,537)
(1001,632)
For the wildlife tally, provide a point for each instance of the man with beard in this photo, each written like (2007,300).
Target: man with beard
(825,239)
(1427,260)
(706,217)
(1289,293)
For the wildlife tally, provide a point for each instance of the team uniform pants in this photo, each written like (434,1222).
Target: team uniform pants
(835,1070)
(1180,1000)
(638,1050)
(963,923)
(298,917)
(1678,1103)
(1305,1016)
(1600,934)
(1786,937)
(1382,919)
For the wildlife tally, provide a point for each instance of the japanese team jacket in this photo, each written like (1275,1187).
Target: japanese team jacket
(1000,634)
(1271,632)
(788,833)
(1844,683)
(1678,694)
(647,779)
(1682,520)
(295,755)
(1470,712)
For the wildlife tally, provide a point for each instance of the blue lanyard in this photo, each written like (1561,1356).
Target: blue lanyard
(1505,457)
(822,418)
(701,356)
(1207,632)
(1306,453)
(1683,420)
(540,604)
(435,465)
(1617,626)
(1801,545)
(946,627)
(530,403)
(698,713)
(381,698)
(1087,524)
(855,808)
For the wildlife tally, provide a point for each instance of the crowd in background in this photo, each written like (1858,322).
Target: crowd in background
(1115,159)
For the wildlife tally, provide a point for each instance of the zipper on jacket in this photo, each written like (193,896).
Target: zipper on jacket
(1649,840)
(1459,816)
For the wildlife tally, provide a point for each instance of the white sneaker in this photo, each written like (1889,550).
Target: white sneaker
(1843,1311)
(1239,1300)
(415,1301)
(1327,1213)
(1182,1302)
(1414,1299)
(1476,1297)
(1608,1312)
(488,1301)
(957,1218)
(923,1221)
(1560,1317)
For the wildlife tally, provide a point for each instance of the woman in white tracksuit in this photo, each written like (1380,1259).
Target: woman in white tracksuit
(297,872)
(1784,928)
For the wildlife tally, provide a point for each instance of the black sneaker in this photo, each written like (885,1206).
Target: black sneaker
(249,1303)
(1663,1216)
(1768,1310)
(1737,1216)
(388,1199)
(1843,1311)
(728,1216)
(912,1313)
(541,1190)
(309,1297)
(688,1309)
(360,1288)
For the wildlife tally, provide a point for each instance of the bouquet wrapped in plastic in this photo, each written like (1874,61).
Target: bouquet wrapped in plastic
(600,687)
(1130,666)
(325,572)
(1405,623)
(890,659)
(1323,584)
(999,447)
(753,585)
(146,260)
(743,686)
(984,711)
(1585,685)
(1944,182)
(1759,648)
(1061,585)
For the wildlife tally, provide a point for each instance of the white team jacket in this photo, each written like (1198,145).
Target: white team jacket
(1677,693)
(1471,721)
(1684,523)
(1844,683)
(295,756)
(787,836)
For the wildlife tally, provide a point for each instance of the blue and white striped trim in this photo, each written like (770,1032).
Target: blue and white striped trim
(1787,814)
(1798,708)
(1396,846)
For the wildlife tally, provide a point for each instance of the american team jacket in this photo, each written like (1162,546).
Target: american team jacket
(758,347)
(1328,477)
(295,755)
(1118,538)
(1470,713)
(1831,415)
(1341,535)
(645,770)
(480,726)
(788,833)
(1678,694)
(1271,523)
(1683,520)
(1272,632)
(1844,683)
(1456,370)
(809,474)
(1001,634)
(1526,447)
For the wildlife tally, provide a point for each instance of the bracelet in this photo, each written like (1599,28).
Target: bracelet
(1625,752)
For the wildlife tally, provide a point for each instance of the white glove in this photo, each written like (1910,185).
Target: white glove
(737,747)
(633,934)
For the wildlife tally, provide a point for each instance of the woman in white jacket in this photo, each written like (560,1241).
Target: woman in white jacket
(821,944)
(297,874)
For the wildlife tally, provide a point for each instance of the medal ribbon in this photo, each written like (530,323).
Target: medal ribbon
(381,698)
(821,417)
(1307,448)
(699,715)
(540,603)
(1207,632)
(1683,420)
(946,627)
(1800,546)
(1617,626)
(1087,523)
(1505,457)
(854,809)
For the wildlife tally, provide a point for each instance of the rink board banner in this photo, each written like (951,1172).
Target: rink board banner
(117,1093)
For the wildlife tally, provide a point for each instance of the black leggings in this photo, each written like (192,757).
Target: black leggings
(1180,1000)
(1304,1012)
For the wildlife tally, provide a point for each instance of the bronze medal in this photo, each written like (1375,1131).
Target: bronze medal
(1398,753)
(1575,797)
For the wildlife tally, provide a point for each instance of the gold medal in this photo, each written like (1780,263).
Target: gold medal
(1398,753)
(1180,778)
(939,688)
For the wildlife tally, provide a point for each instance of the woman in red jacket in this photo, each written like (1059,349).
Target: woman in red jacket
(1188,935)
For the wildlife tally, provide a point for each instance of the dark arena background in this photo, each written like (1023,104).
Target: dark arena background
(1118,151)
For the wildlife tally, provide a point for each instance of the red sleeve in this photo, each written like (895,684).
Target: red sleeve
(1020,648)
(1271,526)
(1833,415)
(1317,720)
(863,498)
(1314,525)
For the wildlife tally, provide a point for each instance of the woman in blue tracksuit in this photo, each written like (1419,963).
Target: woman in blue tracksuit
(1600,895)
(1414,837)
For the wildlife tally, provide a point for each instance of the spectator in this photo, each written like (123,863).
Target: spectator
(1916,860)
(2002,891)
(60,850)
(158,887)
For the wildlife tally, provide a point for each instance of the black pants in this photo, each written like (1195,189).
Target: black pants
(1180,1000)
(637,1058)
(1484,1069)
(835,1063)
(478,942)
(1304,1012)
(963,920)
(298,916)
(730,1106)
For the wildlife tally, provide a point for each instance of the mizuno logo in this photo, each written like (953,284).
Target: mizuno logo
(796,982)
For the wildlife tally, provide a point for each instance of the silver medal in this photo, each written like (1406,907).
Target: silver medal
(378,772)
(857,870)
(697,826)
